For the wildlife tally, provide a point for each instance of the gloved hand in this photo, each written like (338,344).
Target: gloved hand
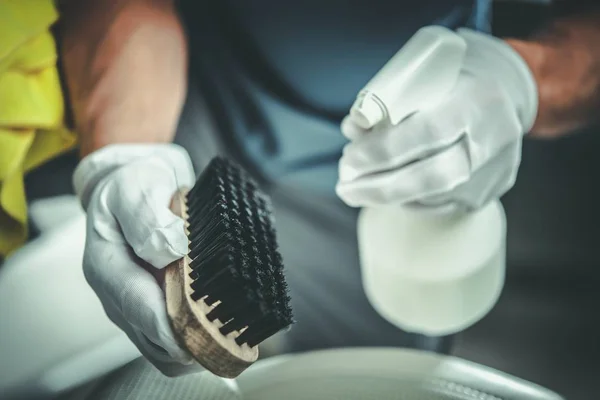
(131,234)
(461,151)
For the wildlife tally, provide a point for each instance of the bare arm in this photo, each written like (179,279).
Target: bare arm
(565,60)
(125,66)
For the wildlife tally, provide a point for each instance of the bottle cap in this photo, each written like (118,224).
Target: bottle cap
(367,111)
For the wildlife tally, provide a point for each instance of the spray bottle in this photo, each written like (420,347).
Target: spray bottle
(424,272)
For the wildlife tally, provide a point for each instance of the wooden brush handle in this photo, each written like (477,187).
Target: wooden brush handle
(217,353)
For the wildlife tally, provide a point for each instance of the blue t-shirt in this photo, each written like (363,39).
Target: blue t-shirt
(281,75)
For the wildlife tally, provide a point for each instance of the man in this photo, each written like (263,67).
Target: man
(269,83)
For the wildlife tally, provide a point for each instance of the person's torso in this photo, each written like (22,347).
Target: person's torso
(280,76)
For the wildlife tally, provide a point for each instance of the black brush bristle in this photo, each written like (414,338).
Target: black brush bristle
(234,255)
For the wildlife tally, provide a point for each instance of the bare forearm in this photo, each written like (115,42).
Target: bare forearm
(565,61)
(125,66)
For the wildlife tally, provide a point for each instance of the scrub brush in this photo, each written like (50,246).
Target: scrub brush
(229,293)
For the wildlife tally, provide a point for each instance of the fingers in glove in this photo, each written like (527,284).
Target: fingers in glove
(434,175)
(139,199)
(152,352)
(130,294)
(388,147)
(490,181)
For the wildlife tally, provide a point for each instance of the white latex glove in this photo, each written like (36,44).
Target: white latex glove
(460,152)
(131,234)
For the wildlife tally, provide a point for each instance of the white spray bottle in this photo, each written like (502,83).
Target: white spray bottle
(426,273)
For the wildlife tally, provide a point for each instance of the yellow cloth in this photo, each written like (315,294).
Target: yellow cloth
(31,108)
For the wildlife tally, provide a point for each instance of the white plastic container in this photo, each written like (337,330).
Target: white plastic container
(427,273)
(432,274)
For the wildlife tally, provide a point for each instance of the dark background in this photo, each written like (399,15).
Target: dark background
(546,327)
